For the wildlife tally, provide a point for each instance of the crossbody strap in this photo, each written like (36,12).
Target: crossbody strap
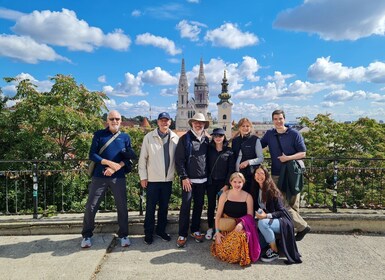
(279,143)
(108,142)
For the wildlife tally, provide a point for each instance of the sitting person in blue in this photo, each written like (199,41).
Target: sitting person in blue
(273,219)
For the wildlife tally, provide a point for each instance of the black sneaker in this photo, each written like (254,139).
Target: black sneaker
(300,235)
(164,236)
(269,256)
(148,240)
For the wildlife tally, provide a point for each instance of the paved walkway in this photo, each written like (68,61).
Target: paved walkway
(325,256)
(55,254)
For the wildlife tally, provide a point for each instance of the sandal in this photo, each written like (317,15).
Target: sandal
(209,234)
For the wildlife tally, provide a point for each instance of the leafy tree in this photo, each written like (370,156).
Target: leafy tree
(54,123)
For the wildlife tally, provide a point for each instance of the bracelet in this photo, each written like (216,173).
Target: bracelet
(217,230)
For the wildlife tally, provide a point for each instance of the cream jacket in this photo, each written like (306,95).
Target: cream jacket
(151,159)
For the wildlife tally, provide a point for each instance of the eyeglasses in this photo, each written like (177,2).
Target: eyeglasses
(114,119)
(217,135)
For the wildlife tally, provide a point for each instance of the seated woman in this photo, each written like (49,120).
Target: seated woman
(240,245)
(273,219)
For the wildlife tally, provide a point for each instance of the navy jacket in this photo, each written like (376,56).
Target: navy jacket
(119,150)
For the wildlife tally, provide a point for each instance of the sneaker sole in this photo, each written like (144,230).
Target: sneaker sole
(269,260)
(163,238)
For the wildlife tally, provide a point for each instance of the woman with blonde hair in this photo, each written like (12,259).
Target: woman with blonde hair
(241,244)
(247,150)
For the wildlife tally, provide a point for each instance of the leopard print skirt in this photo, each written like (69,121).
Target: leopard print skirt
(233,249)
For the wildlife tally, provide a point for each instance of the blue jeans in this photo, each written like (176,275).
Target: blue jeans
(268,228)
(157,193)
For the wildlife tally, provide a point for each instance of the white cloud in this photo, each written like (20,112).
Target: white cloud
(325,70)
(228,35)
(167,11)
(190,30)
(169,92)
(330,104)
(248,67)
(27,50)
(136,13)
(102,79)
(157,76)
(345,95)
(41,86)
(378,98)
(193,1)
(336,20)
(277,87)
(66,30)
(140,108)
(131,86)
(159,42)
(10,14)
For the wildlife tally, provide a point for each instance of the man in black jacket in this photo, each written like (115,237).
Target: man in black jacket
(190,162)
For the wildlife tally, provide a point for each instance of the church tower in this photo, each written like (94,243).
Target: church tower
(225,108)
(201,92)
(183,102)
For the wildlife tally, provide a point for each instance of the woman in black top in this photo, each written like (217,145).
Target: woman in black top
(247,150)
(240,245)
(221,165)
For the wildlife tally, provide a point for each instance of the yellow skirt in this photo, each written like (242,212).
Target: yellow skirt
(233,249)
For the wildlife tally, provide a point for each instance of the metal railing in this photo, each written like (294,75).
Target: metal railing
(50,186)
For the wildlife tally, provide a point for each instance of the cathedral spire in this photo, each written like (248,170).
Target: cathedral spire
(183,77)
(201,76)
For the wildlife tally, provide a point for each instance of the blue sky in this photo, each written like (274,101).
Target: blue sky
(306,57)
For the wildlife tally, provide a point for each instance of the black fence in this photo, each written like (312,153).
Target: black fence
(48,186)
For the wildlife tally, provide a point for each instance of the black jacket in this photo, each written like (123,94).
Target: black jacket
(220,164)
(190,157)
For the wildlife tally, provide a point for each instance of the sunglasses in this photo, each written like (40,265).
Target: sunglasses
(217,135)
(114,119)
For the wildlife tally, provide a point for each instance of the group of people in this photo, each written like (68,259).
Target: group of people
(236,183)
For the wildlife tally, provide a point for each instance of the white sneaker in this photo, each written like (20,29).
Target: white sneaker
(209,234)
(86,242)
(125,241)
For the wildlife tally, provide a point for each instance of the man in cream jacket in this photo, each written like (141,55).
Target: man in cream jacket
(156,172)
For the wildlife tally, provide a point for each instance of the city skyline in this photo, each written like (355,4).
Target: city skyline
(305,57)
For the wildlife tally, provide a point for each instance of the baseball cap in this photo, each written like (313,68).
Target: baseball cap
(164,115)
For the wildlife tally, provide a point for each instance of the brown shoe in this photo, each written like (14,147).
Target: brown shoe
(197,236)
(181,242)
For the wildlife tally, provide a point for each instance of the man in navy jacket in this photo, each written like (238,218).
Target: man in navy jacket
(293,148)
(110,168)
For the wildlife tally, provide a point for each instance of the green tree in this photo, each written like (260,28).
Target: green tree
(58,123)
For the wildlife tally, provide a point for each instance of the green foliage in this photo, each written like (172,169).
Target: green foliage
(55,124)
(349,148)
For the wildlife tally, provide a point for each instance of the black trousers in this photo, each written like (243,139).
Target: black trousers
(212,191)
(157,193)
(197,194)
(96,191)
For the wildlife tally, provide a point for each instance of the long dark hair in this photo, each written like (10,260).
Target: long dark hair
(269,188)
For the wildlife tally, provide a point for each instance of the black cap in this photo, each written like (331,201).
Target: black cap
(219,131)
(164,115)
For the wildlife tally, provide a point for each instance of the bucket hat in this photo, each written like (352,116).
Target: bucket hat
(200,118)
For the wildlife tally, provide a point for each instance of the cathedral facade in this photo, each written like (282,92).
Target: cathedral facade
(199,103)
